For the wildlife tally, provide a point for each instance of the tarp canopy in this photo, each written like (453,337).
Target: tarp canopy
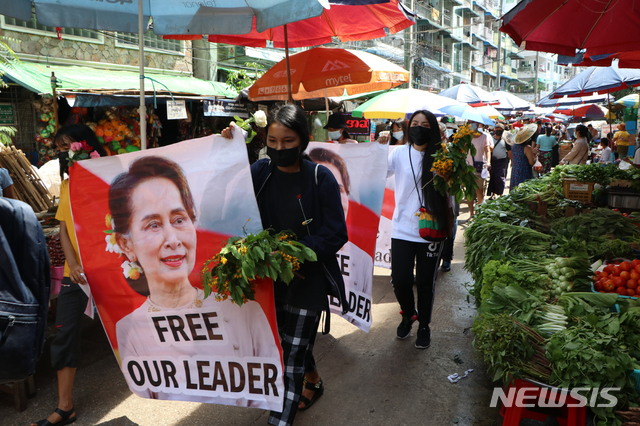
(37,78)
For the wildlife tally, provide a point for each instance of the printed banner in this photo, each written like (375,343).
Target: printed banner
(383,242)
(146,222)
(360,170)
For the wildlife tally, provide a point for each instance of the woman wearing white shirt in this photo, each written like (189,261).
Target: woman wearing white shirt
(411,165)
(605,154)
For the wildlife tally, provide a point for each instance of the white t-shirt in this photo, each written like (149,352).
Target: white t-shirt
(605,155)
(636,157)
(405,222)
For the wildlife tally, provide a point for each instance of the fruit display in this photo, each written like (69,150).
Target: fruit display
(618,277)
(56,255)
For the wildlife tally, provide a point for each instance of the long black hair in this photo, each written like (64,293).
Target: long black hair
(293,117)
(437,203)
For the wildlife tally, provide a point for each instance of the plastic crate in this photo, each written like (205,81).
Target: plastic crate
(576,190)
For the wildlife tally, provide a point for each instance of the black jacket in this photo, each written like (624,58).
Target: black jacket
(327,231)
(25,285)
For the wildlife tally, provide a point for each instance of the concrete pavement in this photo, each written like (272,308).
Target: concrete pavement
(372,379)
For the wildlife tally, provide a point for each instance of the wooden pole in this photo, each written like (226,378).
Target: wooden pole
(54,81)
(286,53)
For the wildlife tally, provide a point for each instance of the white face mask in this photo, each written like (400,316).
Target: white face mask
(398,135)
(334,136)
(449,133)
(474,126)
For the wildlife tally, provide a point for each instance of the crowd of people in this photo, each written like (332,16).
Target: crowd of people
(290,186)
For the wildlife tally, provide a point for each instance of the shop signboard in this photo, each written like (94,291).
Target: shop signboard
(7,115)
(176,110)
(356,126)
(227,108)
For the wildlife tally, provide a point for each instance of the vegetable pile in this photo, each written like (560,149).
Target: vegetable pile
(546,310)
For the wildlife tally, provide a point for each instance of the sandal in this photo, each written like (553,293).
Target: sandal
(318,389)
(66,418)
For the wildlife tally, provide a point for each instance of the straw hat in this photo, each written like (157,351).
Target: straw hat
(509,137)
(525,133)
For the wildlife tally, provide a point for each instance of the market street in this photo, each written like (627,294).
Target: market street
(372,379)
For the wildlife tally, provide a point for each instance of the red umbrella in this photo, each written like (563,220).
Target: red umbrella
(600,27)
(587,111)
(625,60)
(347,22)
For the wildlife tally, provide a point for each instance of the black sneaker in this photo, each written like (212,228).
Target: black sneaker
(424,338)
(446,265)
(404,329)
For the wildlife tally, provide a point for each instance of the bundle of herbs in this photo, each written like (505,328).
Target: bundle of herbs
(511,349)
(598,351)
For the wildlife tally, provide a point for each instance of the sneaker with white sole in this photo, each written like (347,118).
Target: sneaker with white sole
(423,341)
(404,329)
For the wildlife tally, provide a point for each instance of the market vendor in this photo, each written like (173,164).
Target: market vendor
(580,151)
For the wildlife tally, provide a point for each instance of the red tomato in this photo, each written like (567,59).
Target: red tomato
(617,270)
(635,263)
(637,268)
(604,274)
(618,282)
(624,275)
(609,286)
(608,269)
(631,292)
(632,284)
(625,266)
(622,291)
(598,286)
(634,275)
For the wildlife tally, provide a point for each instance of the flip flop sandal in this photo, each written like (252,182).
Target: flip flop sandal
(66,419)
(318,389)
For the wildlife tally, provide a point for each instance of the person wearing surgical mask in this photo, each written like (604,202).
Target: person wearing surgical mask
(336,129)
(482,160)
(296,194)
(399,133)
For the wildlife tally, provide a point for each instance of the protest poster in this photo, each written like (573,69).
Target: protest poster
(382,257)
(360,170)
(146,222)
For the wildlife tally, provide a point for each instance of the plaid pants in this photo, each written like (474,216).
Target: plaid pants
(297,329)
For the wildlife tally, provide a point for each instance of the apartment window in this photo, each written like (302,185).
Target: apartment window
(34,27)
(151,41)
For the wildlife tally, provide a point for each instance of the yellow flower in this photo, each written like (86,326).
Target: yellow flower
(107,220)
(223,260)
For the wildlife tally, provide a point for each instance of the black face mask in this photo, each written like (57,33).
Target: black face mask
(420,135)
(63,158)
(284,157)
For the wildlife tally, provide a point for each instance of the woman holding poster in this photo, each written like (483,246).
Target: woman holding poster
(194,341)
(415,194)
(72,301)
(298,195)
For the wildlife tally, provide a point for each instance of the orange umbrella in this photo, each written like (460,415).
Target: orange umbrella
(326,72)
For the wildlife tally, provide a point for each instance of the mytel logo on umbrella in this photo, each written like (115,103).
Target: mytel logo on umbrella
(334,65)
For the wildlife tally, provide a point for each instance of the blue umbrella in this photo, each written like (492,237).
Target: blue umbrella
(547,102)
(469,94)
(169,16)
(468,113)
(598,79)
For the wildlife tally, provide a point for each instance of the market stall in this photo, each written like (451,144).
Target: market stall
(555,272)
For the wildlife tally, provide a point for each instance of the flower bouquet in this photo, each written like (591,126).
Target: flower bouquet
(81,151)
(453,175)
(260,118)
(233,272)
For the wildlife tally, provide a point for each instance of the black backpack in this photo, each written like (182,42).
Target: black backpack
(25,286)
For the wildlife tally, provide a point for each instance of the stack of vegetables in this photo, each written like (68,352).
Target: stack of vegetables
(533,277)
